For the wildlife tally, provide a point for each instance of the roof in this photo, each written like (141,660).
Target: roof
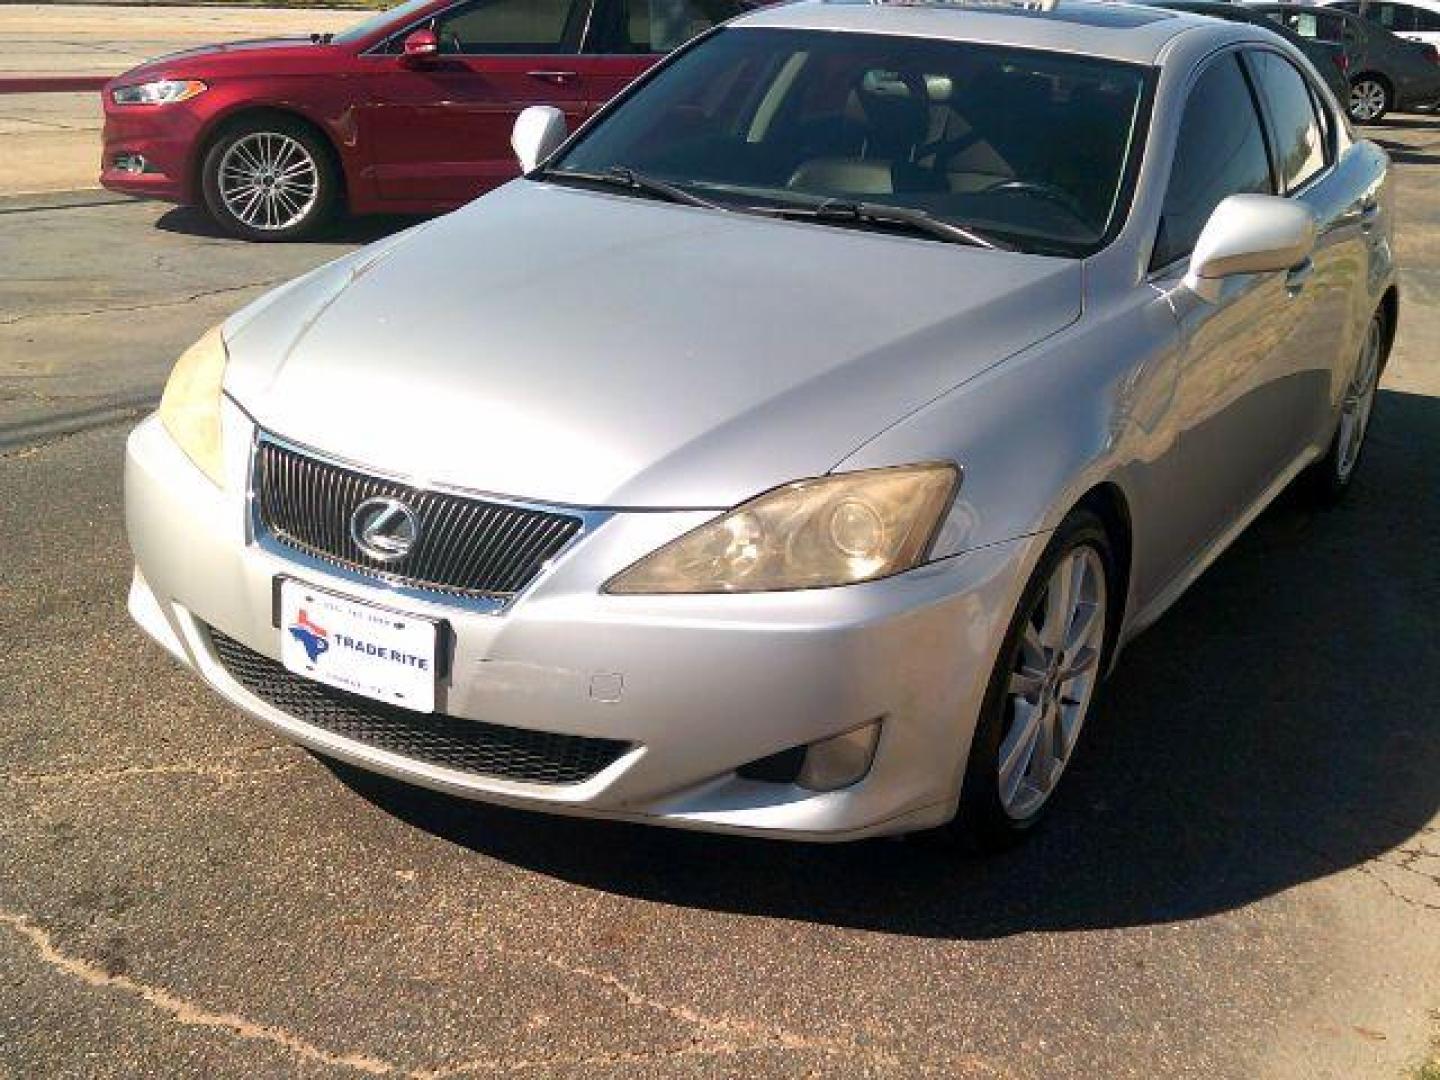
(1116,31)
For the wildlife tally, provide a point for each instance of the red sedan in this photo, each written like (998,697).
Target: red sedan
(409,111)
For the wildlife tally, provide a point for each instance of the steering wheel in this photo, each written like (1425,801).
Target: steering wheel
(1050,193)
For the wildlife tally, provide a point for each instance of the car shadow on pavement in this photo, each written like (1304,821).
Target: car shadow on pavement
(1406,154)
(1277,726)
(192,221)
(1410,121)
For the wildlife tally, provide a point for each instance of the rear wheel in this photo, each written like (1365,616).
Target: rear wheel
(269,178)
(1369,98)
(1042,688)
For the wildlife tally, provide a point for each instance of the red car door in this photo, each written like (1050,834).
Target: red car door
(627,37)
(438,129)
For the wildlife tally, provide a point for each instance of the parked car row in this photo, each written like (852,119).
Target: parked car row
(411,110)
(792,449)
(1386,71)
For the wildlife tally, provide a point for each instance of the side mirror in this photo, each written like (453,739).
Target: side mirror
(420,45)
(537,132)
(1249,234)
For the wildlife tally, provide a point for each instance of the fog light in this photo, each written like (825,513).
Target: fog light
(841,761)
(131,163)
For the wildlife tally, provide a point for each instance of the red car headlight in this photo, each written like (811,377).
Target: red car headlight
(160,92)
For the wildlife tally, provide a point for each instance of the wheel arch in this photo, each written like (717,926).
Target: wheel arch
(226,122)
(1378,76)
(1390,308)
(1107,501)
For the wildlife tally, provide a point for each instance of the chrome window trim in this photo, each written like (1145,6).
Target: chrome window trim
(262,537)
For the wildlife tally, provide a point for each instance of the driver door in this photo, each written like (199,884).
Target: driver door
(439,128)
(1235,421)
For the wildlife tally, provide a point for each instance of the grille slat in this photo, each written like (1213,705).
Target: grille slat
(472,746)
(467,546)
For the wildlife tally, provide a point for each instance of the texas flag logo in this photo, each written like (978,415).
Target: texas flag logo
(310,635)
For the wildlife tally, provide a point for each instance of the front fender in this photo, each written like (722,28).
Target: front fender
(1038,431)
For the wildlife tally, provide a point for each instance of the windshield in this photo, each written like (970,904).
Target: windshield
(1025,145)
(366,27)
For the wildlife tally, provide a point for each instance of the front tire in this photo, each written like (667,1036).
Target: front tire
(1329,478)
(1370,99)
(269,178)
(1042,688)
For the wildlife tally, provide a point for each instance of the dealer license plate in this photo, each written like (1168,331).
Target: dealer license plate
(355,646)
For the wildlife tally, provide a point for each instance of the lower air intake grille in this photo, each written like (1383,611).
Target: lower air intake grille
(536,757)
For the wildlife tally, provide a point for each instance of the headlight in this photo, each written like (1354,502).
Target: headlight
(833,530)
(190,406)
(161,92)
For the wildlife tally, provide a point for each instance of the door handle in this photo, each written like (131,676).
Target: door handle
(1369,215)
(1297,277)
(559,78)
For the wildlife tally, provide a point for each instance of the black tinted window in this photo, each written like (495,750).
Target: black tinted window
(655,26)
(1393,17)
(507,26)
(1030,145)
(1427,20)
(1311,25)
(1299,144)
(1220,152)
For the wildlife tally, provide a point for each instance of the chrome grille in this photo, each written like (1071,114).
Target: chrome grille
(466,547)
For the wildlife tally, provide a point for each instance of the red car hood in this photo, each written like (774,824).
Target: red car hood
(212,59)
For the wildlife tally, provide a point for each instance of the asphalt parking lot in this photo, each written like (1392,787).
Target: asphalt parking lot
(1244,879)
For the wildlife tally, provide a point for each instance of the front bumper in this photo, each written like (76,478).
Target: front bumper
(164,136)
(699,685)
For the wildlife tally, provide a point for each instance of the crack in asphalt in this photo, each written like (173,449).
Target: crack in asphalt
(724,1028)
(208,770)
(179,1009)
(119,309)
(190,1013)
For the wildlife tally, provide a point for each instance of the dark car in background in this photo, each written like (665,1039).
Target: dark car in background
(1329,59)
(1386,72)
(408,111)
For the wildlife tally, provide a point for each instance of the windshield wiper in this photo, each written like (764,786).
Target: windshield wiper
(626,177)
(843,210)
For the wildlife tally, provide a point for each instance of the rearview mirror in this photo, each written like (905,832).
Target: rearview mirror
(538,131)
(420,45)
(1249,234)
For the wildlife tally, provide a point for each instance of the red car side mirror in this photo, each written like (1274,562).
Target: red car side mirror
(421,45)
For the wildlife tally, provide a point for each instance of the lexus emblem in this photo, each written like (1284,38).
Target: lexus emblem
(384,528)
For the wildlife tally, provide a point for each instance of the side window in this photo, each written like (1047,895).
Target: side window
(1331,29)
(1427,21)
(1220,152)
(1299,143)
(655,26)
(508,26)
(1393,17)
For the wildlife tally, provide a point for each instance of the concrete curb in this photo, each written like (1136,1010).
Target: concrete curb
(51,84)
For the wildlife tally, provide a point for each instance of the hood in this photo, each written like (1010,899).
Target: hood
(580,347)
(216,59)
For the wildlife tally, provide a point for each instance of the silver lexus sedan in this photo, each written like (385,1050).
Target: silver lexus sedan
(793,448)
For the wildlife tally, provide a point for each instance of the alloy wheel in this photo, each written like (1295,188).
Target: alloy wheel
(1054,677)
(1367,100)
(268,181)
(1359,403)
